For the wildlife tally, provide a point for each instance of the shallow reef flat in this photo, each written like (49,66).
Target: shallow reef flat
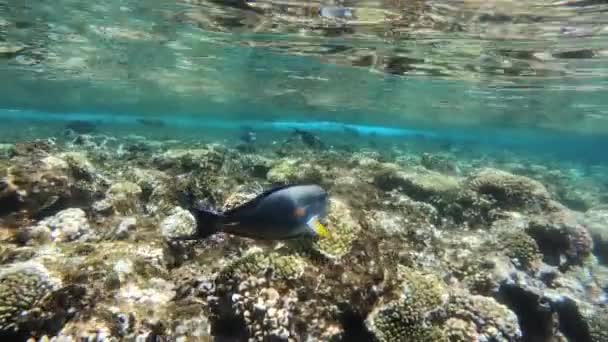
(424,246)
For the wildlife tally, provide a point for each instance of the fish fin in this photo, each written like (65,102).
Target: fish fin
(208,222)
(319,228)
(254,202)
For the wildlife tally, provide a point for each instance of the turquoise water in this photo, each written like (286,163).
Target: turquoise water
(515,70)
(462,145)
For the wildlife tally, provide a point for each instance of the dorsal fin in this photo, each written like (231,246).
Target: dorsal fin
(254,202)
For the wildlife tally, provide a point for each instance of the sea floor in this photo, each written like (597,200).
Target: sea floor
(427,244)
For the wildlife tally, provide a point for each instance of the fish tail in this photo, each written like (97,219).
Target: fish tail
(208,222)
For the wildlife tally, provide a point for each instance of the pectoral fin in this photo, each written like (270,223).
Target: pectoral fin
(319,228)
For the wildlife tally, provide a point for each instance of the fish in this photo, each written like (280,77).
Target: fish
(81,127)
(309,139)
(248,135)
(336,12)
(151,122)
(280,213)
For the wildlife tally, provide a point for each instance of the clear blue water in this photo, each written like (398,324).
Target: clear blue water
(499,73)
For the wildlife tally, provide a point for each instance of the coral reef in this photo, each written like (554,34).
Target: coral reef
(521,248)
(492,321)
(598,326)
(179,223)
(23,286)
(424,247)
(562,237)
(410,316)
(596,221)
(67,225)
(124,197)
(509,191)
(289,171)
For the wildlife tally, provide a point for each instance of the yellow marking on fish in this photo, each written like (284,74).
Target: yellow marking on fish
(299,212)
(319,228)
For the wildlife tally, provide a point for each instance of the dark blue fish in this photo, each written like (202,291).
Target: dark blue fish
(336,12)
(309,139)
(151,122)
(281,213)
(248,136)
(81,127)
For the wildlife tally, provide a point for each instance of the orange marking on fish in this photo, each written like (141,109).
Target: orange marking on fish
(299,212)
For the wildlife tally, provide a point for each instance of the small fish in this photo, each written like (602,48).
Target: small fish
(336,12)
(248,136)
(81,127)
(309,138)
(281,213)
(151,122)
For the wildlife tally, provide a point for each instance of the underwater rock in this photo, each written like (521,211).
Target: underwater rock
(180,222)
(596,221)
(125,227)
(289,171)
(102,207)
(35,185)
(158,292)
(521,248)
(6,150)
(387,223)
(439,163)
(366,160)
(79,164)
(458,330)
(403,218)
(492,320)
(561,237)
(42,184)
(197,328)
(67,225)
(598,325)
(158,192)
(576,197)
(266,313)
(36,149)
(411,316)
(12,254)
(247,290)
(510,191)
(257,263)
(420,186)
(208,160)
(22,287)
(88,184)
(256,165)
(552,313)
(125,197)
